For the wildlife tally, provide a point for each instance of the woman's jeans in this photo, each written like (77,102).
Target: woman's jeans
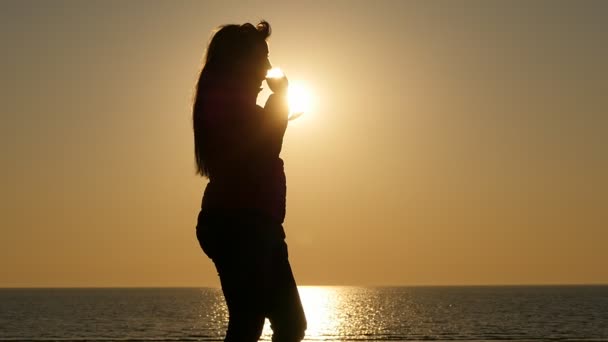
(250,255)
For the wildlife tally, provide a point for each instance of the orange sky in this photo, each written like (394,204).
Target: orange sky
(451,142)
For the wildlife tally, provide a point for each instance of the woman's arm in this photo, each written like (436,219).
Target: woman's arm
(275,114)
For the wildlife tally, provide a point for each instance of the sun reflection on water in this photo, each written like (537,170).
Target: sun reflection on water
(323,314)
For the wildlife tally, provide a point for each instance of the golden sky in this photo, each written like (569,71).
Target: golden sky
(451,142)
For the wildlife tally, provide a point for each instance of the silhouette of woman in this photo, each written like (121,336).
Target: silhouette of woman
(237,145)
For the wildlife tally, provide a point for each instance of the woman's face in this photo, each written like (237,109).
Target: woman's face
(262,62)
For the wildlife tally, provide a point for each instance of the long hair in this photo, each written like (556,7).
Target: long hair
(229,61)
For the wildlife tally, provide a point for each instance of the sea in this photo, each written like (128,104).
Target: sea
(334,313)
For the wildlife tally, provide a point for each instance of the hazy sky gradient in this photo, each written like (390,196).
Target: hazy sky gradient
(452,142)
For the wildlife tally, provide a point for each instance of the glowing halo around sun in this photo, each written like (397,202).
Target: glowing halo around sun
(300,98)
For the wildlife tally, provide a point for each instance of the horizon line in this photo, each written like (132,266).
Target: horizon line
(324,285)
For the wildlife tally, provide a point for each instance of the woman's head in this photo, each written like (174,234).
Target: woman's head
(236,63)
(239,54)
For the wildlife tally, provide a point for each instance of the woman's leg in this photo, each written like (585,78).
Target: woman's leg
(285,311)
(236,264)
(243,299)
(258,282)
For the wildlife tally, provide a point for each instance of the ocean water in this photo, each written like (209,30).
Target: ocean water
(536,313)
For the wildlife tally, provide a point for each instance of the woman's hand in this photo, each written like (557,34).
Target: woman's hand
(277,81)
(278,85)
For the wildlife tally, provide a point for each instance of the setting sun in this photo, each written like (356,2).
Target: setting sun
(300,98)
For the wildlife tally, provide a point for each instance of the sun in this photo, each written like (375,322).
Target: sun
(299,95)
(300,100)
